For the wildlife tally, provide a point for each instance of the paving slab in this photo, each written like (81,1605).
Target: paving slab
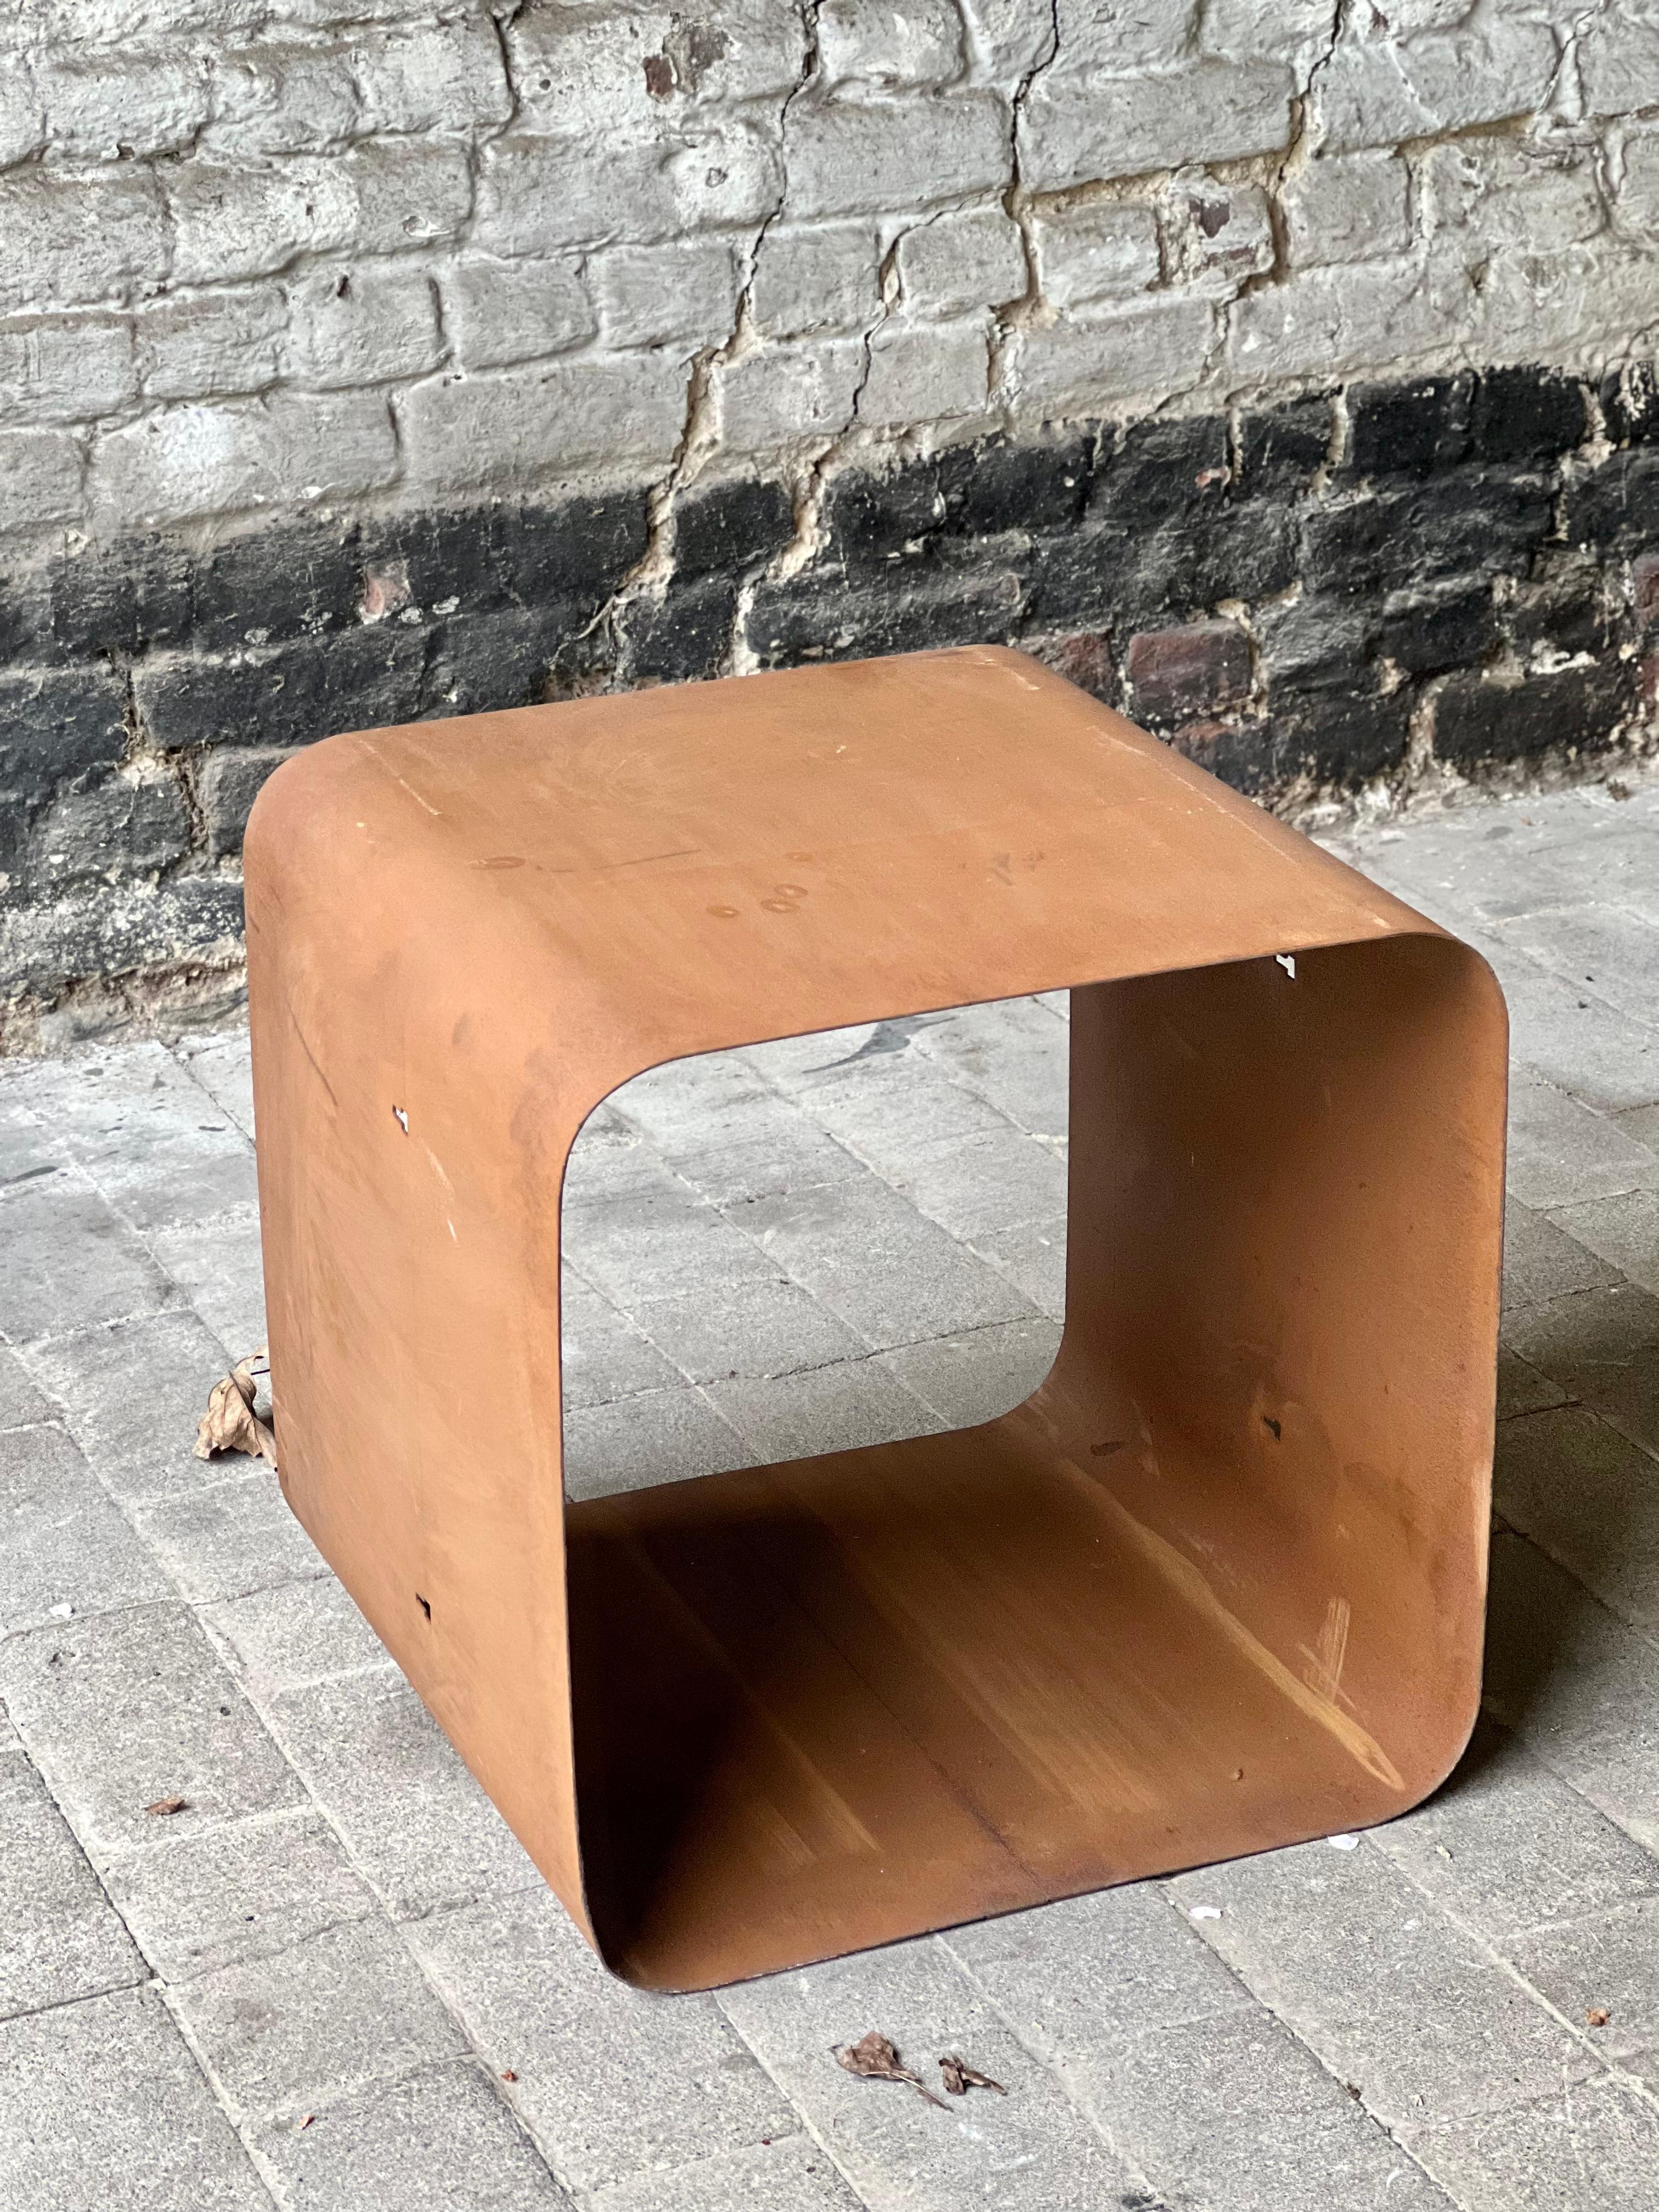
(979,1375)
(1030,2149)
(60,1937)
(1577,1685)
(245,1891)
(1507,1847)
(102,2104)
(70,1260)
(215,1265)
(1601,1348)
(1607,1963)
(612,2081)
(132,1393)
(1382,1987)
(65,1546)
(439,2140)
(1592,2145)
(416,1823)
(795,2174)
(1562,1152)
(1622,1231)
(1589,1497)
(661,1436)
(22,1405)
(237,1536)
(294,2031)
(128,1709)
(1172,2057)
(294,1634)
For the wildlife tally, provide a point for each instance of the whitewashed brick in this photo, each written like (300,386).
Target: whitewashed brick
(65,368)
(69,239)
(845,155)
(867,42)
(282,99)
(577,68)
(442,76)
(1073,368)
(1095,251)
(1349,208)
(501,311)
(206,345)
(1592,295)
(821,277)
(1294,31)
(193,461)
(538,194)
(781,394)
(1220,234)
(1335,321)
(1496,192)
(1378,93)
(1639,192)
(960,261)
(1130,126)
(232,219)
(362,325)
(926,374)
(407,195)
(1011,36)
(732,176)
(684,293)
(622,411)
(1134,33)
(41,478)
(102,107)
(1618,63)
(22,118)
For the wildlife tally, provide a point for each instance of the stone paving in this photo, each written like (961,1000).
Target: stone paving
(335,1981)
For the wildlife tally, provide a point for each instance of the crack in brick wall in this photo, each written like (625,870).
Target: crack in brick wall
(663,322)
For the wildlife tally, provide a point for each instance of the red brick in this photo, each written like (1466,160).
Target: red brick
(1177,675)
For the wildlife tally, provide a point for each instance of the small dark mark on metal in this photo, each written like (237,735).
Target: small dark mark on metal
(1268,1422)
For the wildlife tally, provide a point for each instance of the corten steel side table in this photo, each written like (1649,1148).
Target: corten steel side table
(1216,1585)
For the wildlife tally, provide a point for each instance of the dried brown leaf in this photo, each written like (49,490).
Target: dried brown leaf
(1598,2016)
(874,2057)
(164,1806)
(230,1422)
(960,2077)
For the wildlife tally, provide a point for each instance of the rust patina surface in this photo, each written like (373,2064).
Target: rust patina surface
(1216,1585)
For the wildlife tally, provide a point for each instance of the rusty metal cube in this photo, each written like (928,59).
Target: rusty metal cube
(1216,1585)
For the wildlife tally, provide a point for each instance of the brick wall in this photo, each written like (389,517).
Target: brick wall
(1279,371)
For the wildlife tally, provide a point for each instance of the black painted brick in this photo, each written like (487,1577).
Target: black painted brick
(1425,632)
(57,725)
(730,528)
(1281,449)
(1414,428)
(684,636)
(1477,722)
(286,695)
(231,780)
(1526,415)
(1630,404)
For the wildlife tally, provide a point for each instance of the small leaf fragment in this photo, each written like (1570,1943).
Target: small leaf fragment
(874,2057)
(960,2077)
(1597,2016)
(165,1806)
(230,1422)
